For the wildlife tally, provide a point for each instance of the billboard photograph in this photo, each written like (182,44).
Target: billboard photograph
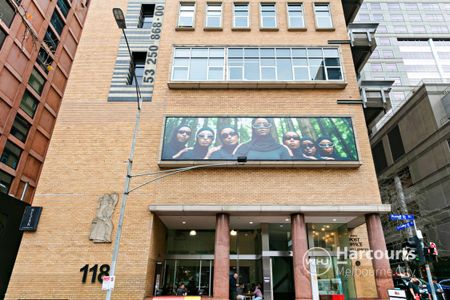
(259,139)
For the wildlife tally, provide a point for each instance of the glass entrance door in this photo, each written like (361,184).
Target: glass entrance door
(282,278)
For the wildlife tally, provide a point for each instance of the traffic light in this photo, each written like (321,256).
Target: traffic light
(416,251)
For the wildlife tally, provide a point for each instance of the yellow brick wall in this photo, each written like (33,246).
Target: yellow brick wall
(91,141)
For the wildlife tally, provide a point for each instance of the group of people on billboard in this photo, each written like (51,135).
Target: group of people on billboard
(226,143)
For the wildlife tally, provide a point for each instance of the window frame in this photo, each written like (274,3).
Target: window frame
(261,17)
(7,187)
(27,125)
(302,15)
(247,17)
(207,16)
(15,163)
(180,10)
(316,17)
(185,61)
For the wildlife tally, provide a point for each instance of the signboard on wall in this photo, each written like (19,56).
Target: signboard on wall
(275,139)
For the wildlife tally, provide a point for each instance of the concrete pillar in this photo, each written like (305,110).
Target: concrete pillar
(302,278)
(222,257)
(381,267)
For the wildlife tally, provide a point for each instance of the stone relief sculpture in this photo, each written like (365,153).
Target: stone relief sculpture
(102,226)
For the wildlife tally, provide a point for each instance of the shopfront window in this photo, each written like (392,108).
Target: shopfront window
(280,237)
(328,236)
(245,242)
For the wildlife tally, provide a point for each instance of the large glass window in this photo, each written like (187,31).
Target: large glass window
(2,37)
(64,6)
(256,64)
(196,276)
(146,17)
(295,15)
(214,15)
(11,155)
(7,12)
(240,16)
(5,182)
(44,59)
(57,22)
(36,81)
(323,15)
(29,104)
(51,39)
(268,15)
(186,16)
(20,128)
(184,242)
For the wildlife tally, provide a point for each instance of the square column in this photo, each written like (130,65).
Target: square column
(302,276)
(380,261)
(222,257)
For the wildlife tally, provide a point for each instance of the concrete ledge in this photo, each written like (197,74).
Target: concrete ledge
(261,164)
(316,210)
(337,84)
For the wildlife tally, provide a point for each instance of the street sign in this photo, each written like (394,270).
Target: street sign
(404,226)
(108,283)
(401,217)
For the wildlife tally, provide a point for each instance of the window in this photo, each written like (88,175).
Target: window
(295,15)
(364,17)
(396,143)
(393,6)
(198,64)
(268,15)
(11,155)
(376,67)
(20,128)
(256,64)
(7,12)
(5,182)
(438,29)
(186,17)
(323,15)
(401,29)
(431,6)
(375,6)
(390,67)
(51,39)
(29,104)
(414,17)
(2,37)
(411,6)
(214,15)
(377,17)
(379,158)
(139,67)
(433,17)
(418,29)
(64,6)
(397,17)
(381,29)
(375,54)
(383,41)
(36,81)
(57,22)
(44,60)
(388,54)
(146,16)
(240,15)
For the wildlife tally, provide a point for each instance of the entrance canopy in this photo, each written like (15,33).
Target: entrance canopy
(250,216)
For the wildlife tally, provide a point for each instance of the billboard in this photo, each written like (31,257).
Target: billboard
(262,138)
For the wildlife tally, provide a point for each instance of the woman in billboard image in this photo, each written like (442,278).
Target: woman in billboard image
(326,149)
(177,144)
(203,140)
(229,139)
(262,145)
(291,139)
(308,148)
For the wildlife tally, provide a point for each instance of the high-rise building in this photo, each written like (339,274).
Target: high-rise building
(413,46)
(252,157)
(38,43)
(409,143)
